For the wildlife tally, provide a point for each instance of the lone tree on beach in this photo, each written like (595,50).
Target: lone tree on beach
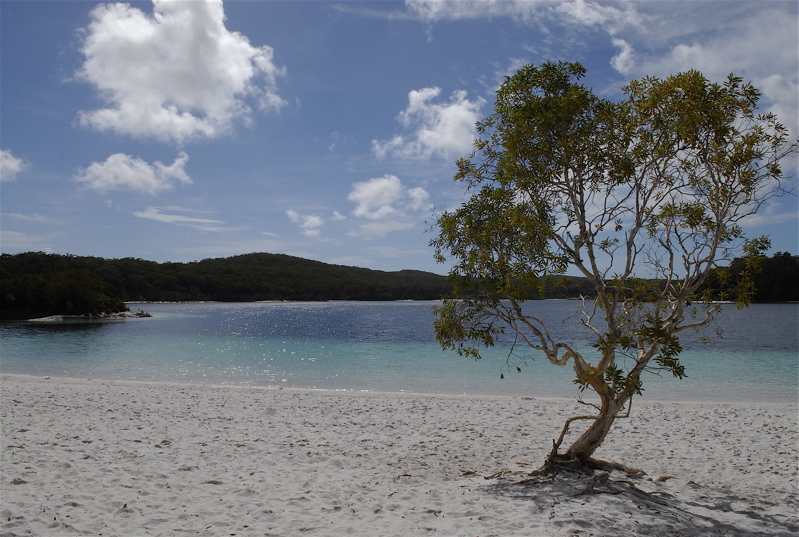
(643,197)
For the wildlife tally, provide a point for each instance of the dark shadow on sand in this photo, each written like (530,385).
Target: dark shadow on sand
(649,506)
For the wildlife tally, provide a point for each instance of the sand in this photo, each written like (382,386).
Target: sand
(95,457)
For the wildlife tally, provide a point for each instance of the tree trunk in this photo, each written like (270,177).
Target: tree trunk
(583,448)
(581,451)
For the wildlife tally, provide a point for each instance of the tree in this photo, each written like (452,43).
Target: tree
(66,292)
(777,280)
(654,186)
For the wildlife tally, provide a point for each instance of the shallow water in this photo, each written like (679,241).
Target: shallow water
(385,346)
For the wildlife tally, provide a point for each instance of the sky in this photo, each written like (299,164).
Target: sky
(185,130)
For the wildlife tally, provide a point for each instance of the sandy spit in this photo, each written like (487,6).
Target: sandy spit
(94,457)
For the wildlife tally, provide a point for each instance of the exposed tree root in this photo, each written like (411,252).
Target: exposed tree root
(557,463)
(598,477)
(592,473)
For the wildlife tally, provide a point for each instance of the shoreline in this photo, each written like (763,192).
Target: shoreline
(355,391)
(125,457)
(119,315)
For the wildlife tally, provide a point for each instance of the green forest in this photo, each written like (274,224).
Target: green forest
(776,281)
(36,284)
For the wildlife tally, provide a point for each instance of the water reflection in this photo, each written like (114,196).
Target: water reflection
(36,328)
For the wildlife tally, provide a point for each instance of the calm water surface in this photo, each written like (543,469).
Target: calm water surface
(385,346)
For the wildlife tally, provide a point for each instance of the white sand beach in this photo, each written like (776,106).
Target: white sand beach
(95,457)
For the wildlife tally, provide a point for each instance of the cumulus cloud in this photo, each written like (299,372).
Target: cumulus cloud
(386,204)
(444,129)
(120,171)
(310,224)
(174,75)
(177,215)
(375,198)
(419,197)
(623,61)
(10,165)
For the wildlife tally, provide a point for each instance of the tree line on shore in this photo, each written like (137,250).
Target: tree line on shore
(32,278)
(37,284)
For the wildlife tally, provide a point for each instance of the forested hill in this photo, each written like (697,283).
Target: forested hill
(36,284)
(251,277)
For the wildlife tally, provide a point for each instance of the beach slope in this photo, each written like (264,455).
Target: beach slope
(95,457)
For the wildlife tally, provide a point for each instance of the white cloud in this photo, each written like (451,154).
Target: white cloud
(771,215)
(10,165)
(437,129)
(720,43)
(124,171)
(15,240)
(784,95)
(26,217)
(435,10)
(609,16)
(167,215)
(174,75)
(310,224)
(734,42)
(755,40)
(387,204)
(419,197)
(624,60)
(375,198)
(381,228)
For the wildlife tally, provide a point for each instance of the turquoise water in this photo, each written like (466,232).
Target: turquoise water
(384,346)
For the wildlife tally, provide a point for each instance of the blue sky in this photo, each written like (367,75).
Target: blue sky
(178,131)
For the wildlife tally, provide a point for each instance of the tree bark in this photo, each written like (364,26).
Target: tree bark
(581,451)
(583,448)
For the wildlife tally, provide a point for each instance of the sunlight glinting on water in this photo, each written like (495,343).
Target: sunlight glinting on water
(384,347)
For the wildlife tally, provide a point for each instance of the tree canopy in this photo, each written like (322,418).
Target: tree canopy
(643,197)
(63,292)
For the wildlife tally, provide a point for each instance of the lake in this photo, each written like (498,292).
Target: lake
(385,346)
